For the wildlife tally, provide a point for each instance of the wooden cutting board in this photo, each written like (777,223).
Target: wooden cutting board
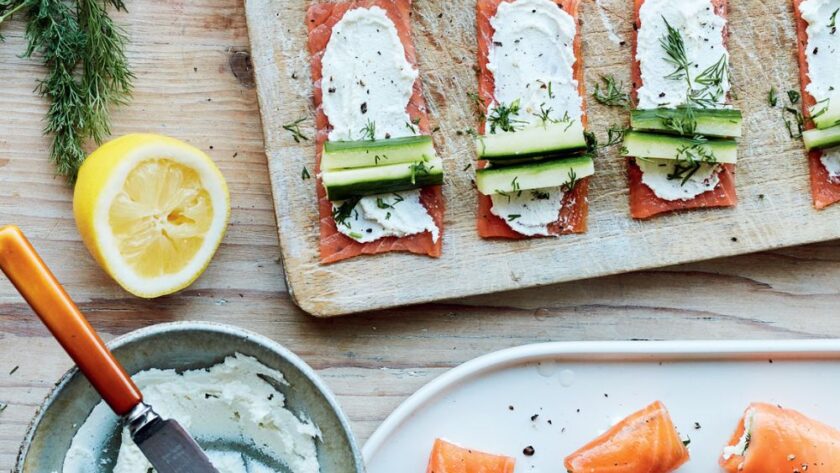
(772,175)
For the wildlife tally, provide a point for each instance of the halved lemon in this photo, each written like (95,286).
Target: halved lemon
(152,210)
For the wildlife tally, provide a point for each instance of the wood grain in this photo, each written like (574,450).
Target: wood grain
(772,175)
(181,52)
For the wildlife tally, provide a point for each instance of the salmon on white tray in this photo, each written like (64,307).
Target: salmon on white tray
(379,176)
(534,165)
(599,407)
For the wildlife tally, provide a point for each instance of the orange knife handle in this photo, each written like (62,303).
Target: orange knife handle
(48,299)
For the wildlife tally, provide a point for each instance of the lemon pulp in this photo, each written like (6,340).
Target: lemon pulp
(160,217)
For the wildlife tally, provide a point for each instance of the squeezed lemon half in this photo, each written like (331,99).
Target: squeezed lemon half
(152,210)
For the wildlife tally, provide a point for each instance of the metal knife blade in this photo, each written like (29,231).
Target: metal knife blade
(166,444)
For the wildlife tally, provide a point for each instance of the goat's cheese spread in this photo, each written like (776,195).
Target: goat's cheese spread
(367,80)
(532,59)
(227,403)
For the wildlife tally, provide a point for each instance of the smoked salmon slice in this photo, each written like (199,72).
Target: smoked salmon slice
(573,214)
(782,441)
(450,458)
(825,191)
(644,203)
(644,442)
(335,246)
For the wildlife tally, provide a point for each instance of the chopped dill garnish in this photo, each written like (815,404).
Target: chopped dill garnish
(343,212)
(687,441)
(480,106)
(615,135)
(773,96)
(833,21)
(304,175)
(573,180)
(503,117)
(467,167)
(540,195)
(794,96)
(591,141)
(502,193)
(513,217)
(419,168)
(355,236)
(515,185)
(682,121)
(381,204)
(612,94)
(799,121)
(294,129)
(674,47)
(551,94)
(545,115)
(690,158)
(369,131)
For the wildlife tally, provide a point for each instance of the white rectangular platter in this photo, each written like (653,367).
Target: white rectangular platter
(584,388)
(772,175)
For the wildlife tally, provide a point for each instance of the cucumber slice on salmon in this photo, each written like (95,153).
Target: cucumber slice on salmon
(826,114)
(821,139)
(721,123)
(359,182)
(536,175)
(532,143)
(361,154)
(655,145)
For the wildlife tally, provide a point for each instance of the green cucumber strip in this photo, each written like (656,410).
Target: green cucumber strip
(360,154)
(826,114)
(535,141)
(359,182)
(536,175)
(721,123)
(655,145)
(821,139)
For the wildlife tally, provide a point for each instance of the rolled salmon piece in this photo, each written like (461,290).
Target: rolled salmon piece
(772,439)
(450,458)
(645,442)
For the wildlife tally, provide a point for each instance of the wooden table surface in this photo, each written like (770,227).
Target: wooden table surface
(193,82)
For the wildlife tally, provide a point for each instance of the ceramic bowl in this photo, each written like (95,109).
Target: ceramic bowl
(187,346)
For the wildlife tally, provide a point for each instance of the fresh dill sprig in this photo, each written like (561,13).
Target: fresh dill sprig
(478,103)
(591,142)
(712,80)
(773,96)
(794,96)
(87,70)
(799,121)
(682,120)
(503,117)
(545,115)
(572,182)
(612,94)
(674,47)
(343,212)
(294,129)
(690,158)
(615,135)
(369,131)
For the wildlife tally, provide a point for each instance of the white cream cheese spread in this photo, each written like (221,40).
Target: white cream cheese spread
(229,403)
(397,214)
(701,30)
(823,53)
(702,34)
(532,60)
(529,212)
(655,174)
(367,80)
